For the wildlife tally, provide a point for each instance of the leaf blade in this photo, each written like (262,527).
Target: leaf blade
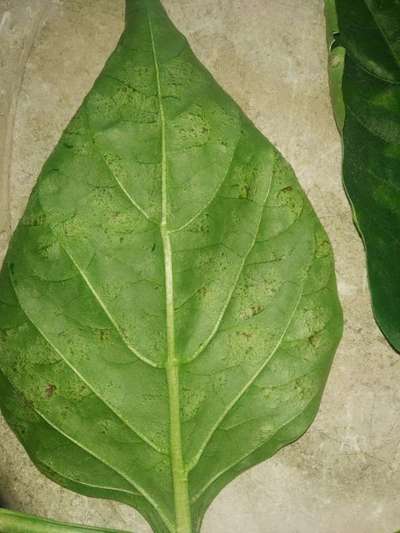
(164,221)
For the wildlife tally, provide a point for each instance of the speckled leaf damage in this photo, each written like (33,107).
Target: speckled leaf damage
(168,309)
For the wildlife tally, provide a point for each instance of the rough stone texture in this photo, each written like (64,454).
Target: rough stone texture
(343,475)
(19,26)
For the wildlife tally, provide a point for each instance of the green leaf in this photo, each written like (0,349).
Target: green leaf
(335,63)
(12,522)
(369,37)
(168,311)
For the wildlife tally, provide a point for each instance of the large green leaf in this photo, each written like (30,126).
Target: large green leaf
(168,308)
(365,88)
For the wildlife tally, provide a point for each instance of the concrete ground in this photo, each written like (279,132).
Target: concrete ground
(343,476)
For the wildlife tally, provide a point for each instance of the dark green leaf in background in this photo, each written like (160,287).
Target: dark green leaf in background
(168,305)
(365,51)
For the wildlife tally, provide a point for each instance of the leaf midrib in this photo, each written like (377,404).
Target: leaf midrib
(179,472)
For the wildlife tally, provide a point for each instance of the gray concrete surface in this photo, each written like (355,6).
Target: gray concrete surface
(343,476)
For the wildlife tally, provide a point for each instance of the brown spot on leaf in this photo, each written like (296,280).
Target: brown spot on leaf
(50,390)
